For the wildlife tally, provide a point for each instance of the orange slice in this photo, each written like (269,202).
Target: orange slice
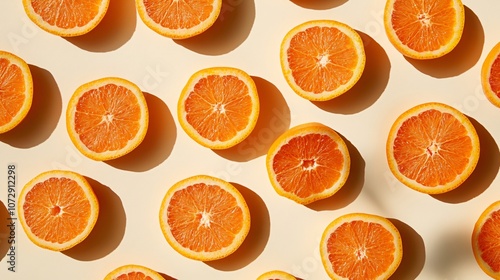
(57,209)
(322,59)
(276,275)
(204,218)
(424,29)
(16,90)
(107,118)
(308,162)
(432,148)
(179,19)
(133,272)
(219,107)
(361,246)
(66,18)
(486,240)
(490,75)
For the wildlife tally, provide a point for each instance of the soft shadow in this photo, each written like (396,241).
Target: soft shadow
(319,5)
(483,175)
(352,187)
(4,231)
(167,277)
(369,87)
(452,251)
(115,29)
(43,115)
(158,142)
(274,119)
(413,252)
(465,55)
(231,29)
(257,237)
(109,229)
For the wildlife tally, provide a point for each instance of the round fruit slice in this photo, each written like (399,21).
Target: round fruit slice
(179,19)
(219,107)
(58,209)
(424,29)
(107,118)
(16,90)
(432,148)
(133,272)
(486,240)
(490,75)
(361,246)
(276,275)
(308,162)
(322,59)
(204,218)
(66,18)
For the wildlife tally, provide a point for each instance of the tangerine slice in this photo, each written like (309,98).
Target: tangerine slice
(490,75)
(486,240)
(276,275)
(133,272)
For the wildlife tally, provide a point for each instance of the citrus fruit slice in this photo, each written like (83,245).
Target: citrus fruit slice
(486,240)
(16,90)
(424,29)
(107,118)
(432,148)
(133,272)
(179,19)
(66,18)
(360,246)
(58,209)
(322,59)
(490,75)
(276,275)
(308,162)
(204,218)
(219,107)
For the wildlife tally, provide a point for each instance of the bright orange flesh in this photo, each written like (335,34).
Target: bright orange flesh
(490,75)
(486,240)
(133,272)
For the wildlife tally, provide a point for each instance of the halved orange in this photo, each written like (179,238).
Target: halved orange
(486,240)
(107,118)
(424,29)
(322,59)
(432,148)
(308,162)
(204,218)
(133,272)
(16,90)
(360,246)
(276,275)
(58,209)
(179,19)
(490,75)
(66,18)
(219,107)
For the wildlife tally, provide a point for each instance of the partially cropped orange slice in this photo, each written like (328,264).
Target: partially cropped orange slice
(486,240)
(432,148)
(490,75)
(16,90)
(276,275)
(133,272)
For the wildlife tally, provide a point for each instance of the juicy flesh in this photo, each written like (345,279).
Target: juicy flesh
(57,210)
(179,14)
(67,13)
(219,107)
(494,78)
(321,59)
(308,164)
(360,250)
(133,276)
(107,118)
(489,241)
(424,25)
(204,218)
(12,90)
(432,148)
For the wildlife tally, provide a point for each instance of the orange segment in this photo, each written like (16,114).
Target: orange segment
(322,59)
(133,272)
(424,29)
(58,209)
(486,240)
(276,275)
(16,90)
(204,218)
(107,118)
(490,75)
(361,246)
(308,162)
(219,107)
(432,148)
(66,17)
(179,19)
